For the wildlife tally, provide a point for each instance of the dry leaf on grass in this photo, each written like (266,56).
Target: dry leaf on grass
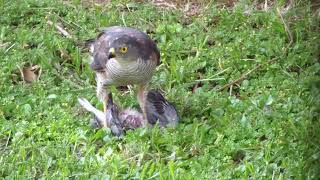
(30,74)
(4,45)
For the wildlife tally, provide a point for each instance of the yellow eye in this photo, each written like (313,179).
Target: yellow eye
(123,49)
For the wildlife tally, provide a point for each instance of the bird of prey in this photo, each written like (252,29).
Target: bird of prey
(123,56)
(158,109)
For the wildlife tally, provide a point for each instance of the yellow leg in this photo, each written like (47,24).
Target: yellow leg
(141,99)
(105,104)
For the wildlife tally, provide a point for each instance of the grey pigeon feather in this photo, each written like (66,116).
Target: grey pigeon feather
(157,107)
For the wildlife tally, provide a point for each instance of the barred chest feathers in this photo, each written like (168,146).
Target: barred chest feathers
(126,73)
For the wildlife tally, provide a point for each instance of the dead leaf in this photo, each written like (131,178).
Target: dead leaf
(57,66)
(25,46)
(4,45)
(30,74)
(64,55)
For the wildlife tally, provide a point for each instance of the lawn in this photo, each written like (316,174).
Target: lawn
(244,78)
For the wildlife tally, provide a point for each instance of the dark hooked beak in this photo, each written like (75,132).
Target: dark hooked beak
(98,63)
(96,66)
(112,53)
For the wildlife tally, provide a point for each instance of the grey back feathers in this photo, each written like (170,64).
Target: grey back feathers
(159,109)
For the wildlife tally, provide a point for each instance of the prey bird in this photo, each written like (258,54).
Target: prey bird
(158,109)
(123,56)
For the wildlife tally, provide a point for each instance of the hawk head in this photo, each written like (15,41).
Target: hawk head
(124,45)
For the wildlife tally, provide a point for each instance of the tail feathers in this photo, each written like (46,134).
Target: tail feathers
(158,108)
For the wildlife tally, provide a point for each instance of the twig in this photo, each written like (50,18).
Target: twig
(247,59)
(22,74)
(266,5)
(123,20)
(60,29)
(39,74)
(286,27)
(165,4)
(217,74)
(212,77)
(230,92)
(245,75)
(220,63)
(8,139)
(209,79)
(273,175)
(8,49)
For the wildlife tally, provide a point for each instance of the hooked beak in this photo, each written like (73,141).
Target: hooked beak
(112,53)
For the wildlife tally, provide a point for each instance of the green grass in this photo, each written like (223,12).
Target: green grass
(267,126)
